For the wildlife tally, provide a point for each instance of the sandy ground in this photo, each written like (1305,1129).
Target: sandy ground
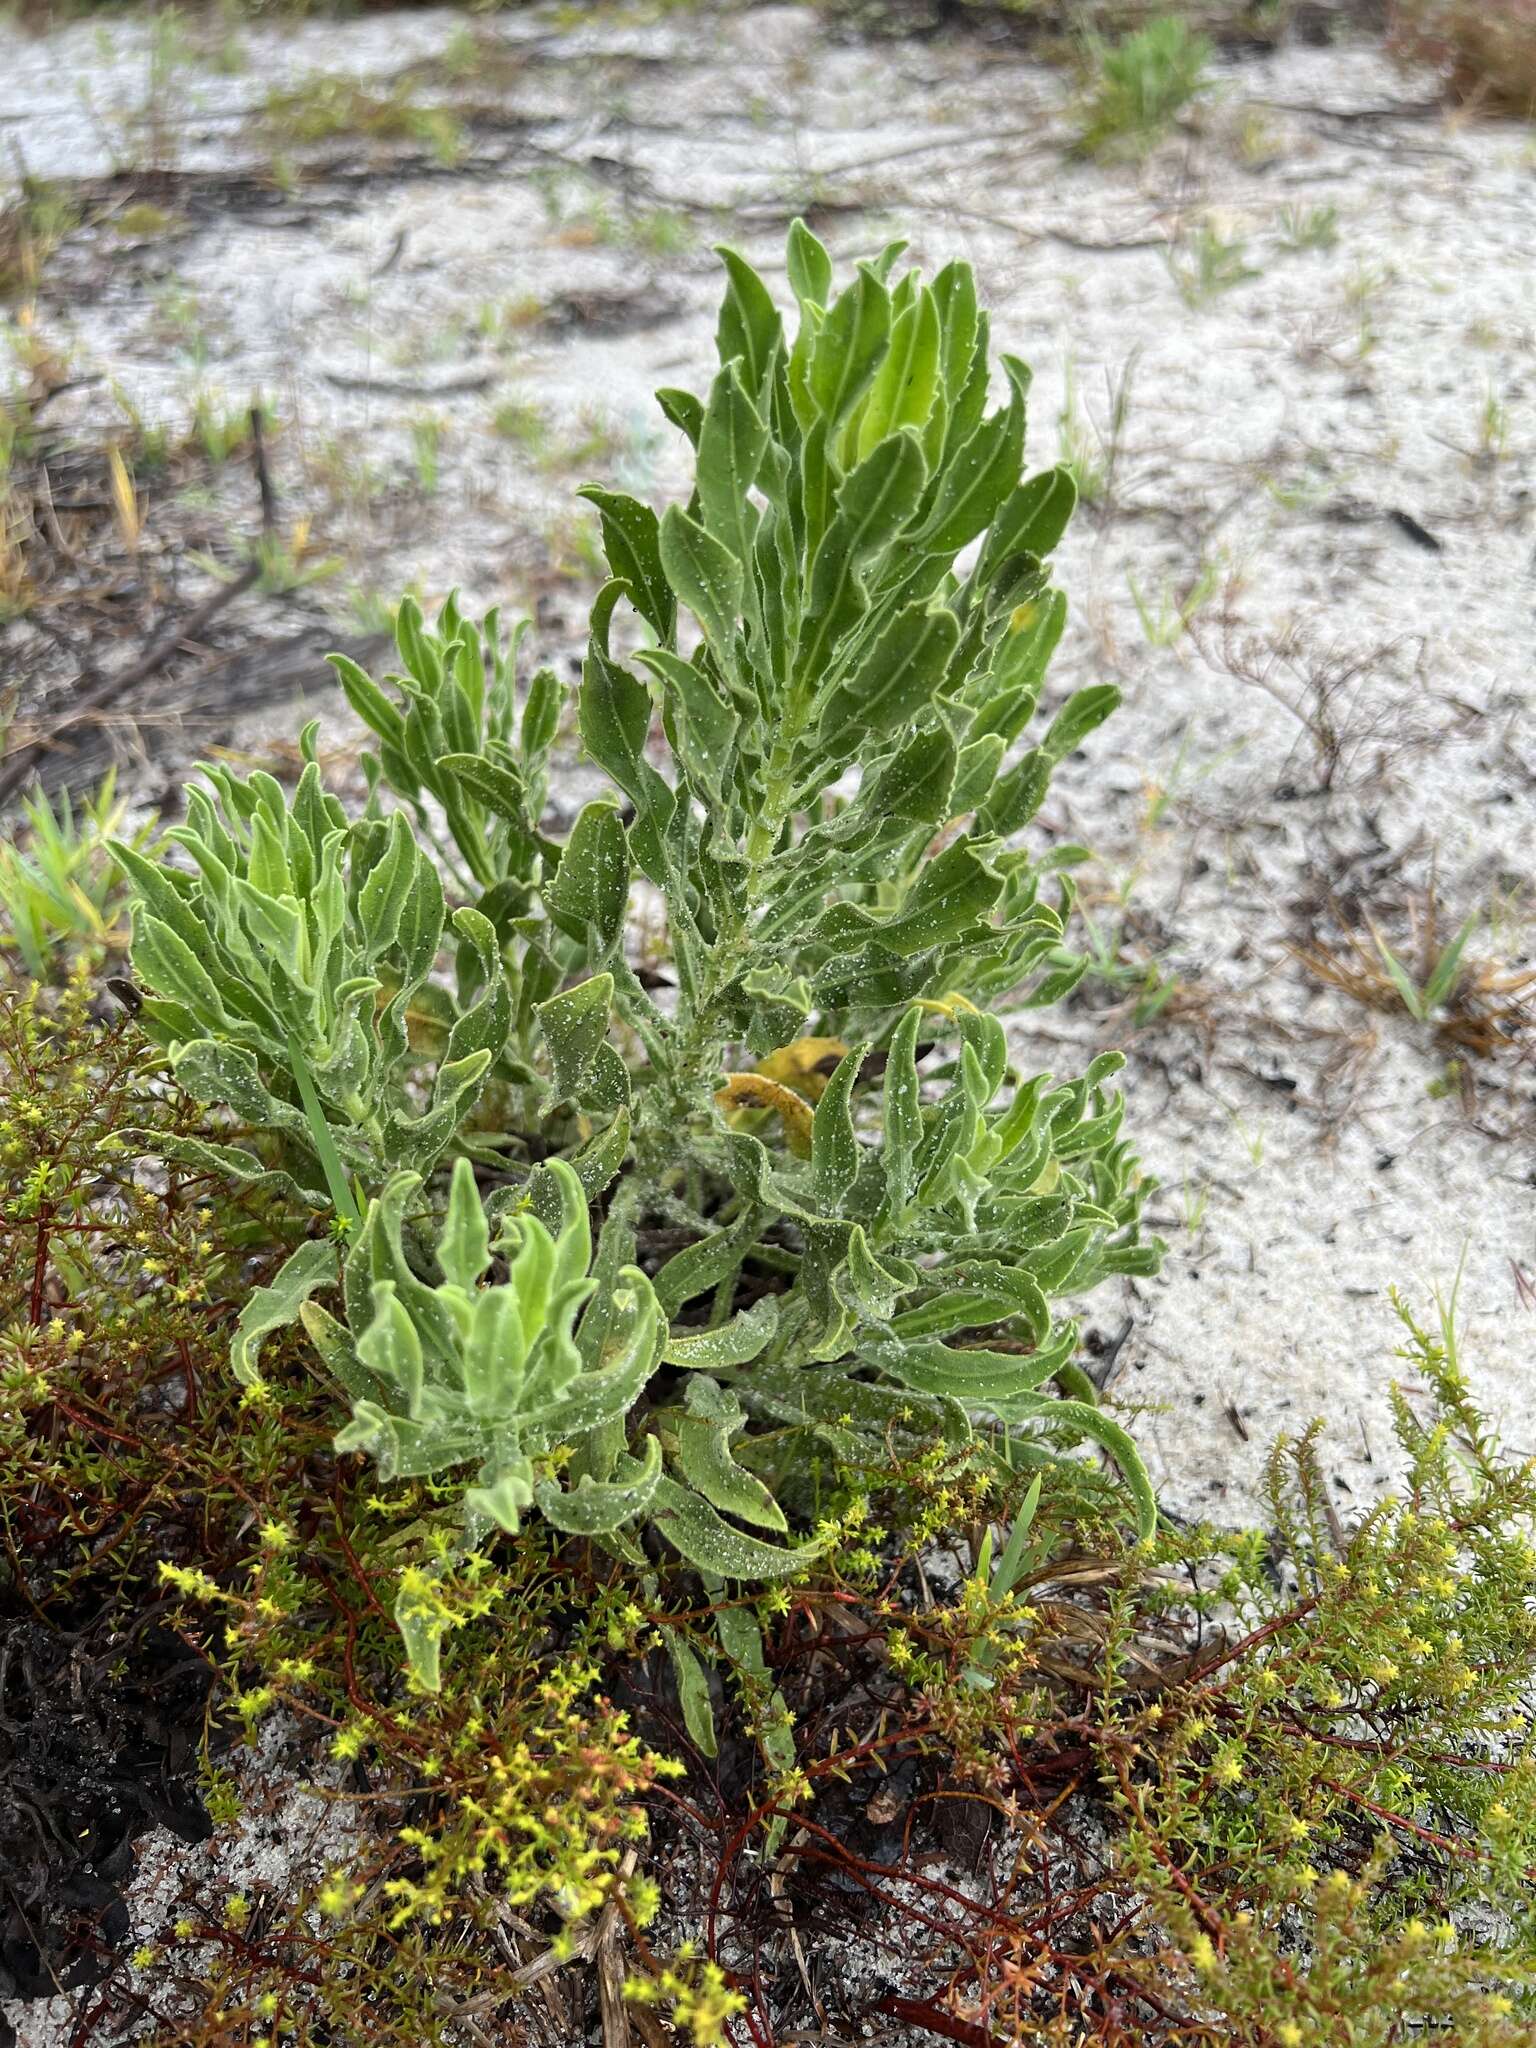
(293,1830)
(1326,463)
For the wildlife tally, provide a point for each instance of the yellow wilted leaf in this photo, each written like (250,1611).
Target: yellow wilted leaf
(125,502)
(757,1091)
(806,1065)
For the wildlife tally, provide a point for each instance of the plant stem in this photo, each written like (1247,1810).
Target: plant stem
(342,1197)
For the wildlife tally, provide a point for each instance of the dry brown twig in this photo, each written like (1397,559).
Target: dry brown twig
(1356,730)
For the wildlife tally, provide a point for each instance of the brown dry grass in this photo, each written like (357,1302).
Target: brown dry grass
(1487,48)
(1487,1017)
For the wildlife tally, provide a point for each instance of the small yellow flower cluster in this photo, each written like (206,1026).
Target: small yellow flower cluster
(698,1994)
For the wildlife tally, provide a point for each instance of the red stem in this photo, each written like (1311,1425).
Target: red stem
(40,1262)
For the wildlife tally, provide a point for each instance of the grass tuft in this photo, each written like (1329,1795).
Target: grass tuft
(1141,85)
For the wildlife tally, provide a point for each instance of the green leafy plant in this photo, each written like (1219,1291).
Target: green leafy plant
(283,972)
(1142,83)
(443,1375)
(854,1213)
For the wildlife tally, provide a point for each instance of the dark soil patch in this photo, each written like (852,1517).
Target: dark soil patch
(99,1732)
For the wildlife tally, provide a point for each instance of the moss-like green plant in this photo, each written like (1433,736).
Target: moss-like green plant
(842,636)
(1337,1817)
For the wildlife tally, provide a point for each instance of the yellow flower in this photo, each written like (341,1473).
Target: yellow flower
(335,1895)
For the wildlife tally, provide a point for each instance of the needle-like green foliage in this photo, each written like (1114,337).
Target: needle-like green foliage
(58,888)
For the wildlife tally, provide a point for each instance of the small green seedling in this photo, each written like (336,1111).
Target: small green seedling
(1421,1003)
(999,1581)
(1213,264)
(1166,620)
(1308,227)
